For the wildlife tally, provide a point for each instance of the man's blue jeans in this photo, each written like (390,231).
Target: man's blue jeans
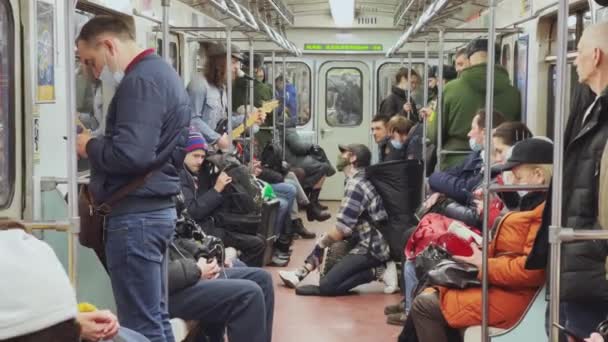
(136,246)
(410,281)
(286,194)
(241,300)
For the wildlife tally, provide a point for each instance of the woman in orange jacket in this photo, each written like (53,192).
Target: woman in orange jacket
(437,310)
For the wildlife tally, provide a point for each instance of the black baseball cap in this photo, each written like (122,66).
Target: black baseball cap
(481,44)
(364,156)
(529,151)
(449,73)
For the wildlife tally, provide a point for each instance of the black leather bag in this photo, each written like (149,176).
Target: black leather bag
(453,274)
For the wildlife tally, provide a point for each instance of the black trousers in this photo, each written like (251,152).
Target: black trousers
(251,247)
(350,272)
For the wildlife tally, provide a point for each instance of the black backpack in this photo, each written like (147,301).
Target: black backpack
(272,158)
(241,210)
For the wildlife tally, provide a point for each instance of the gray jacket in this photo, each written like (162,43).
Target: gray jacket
(209,105)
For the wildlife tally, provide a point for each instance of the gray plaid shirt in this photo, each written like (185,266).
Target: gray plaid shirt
(361,204)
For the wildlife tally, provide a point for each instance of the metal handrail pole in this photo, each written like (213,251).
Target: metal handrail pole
(409,82)
(165,30)
(251,102)
(440,101)
(487,175)
(284,104)
(73,218)
(556,207)
(274,97)
(426,103)
(229,84)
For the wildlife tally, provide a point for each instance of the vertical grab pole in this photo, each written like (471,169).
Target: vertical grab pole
(409,81)
(251,102)
(284,103)
(558,149)
(426,103)
(166,56)
(73,216)
(229,83)
(274,97)
(487,175)
(440,101)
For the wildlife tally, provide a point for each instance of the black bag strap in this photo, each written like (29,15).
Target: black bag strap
(123,192)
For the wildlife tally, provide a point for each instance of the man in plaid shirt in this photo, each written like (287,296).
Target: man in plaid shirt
(360,212)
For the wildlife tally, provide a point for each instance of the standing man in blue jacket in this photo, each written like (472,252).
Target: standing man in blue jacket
(146,130)
(290,97)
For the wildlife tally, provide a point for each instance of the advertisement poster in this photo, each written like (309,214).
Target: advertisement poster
(521,72)
(45,52)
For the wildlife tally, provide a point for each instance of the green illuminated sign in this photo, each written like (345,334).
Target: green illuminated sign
(343,47)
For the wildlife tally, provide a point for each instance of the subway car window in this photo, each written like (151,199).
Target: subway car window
(298,74)
(386,79)
(173,53)
(572,81)
(577,21)
(344,97)
(7,138)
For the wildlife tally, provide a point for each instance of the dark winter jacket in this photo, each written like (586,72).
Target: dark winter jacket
(583,272)
(200,203)
(183,270)
(462,98)
(298,153)
(393,104)
(458,182)
(146,129)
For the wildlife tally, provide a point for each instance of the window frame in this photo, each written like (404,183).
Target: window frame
(379,97)
(268,65)
(360,89)
(11,124)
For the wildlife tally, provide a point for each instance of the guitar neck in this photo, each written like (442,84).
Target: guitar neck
(240,129)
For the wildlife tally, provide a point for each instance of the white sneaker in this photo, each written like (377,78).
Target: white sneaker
(389,278)
(290,278)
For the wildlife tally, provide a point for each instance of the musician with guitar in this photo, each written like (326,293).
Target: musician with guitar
(208,98)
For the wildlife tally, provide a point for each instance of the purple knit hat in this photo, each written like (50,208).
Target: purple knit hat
(196,141)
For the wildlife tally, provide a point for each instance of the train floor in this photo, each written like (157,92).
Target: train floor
(354,318)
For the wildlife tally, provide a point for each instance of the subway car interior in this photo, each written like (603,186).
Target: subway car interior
(303,170)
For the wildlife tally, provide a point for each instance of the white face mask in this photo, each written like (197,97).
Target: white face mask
(110,79)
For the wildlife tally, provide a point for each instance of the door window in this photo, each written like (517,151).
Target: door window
(7,110)
(298,75)
(343,97)
(386,79)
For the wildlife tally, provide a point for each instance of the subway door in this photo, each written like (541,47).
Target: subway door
(11,119)
(344,114)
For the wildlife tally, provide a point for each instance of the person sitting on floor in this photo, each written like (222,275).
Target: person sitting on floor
(360,212)
(436,311)
(202,198)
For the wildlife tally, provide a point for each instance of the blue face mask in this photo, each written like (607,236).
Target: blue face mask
(474,145)
(396,144)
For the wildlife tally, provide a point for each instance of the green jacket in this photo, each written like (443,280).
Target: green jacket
(462,98)
(262,92)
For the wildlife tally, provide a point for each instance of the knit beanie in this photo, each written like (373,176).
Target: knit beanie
(35,291)
(196,142)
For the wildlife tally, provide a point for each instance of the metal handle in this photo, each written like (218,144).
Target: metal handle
(324,130)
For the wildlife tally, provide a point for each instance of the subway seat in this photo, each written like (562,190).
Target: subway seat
(531,326)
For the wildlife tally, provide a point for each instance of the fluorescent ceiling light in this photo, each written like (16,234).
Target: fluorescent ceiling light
(343,12)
